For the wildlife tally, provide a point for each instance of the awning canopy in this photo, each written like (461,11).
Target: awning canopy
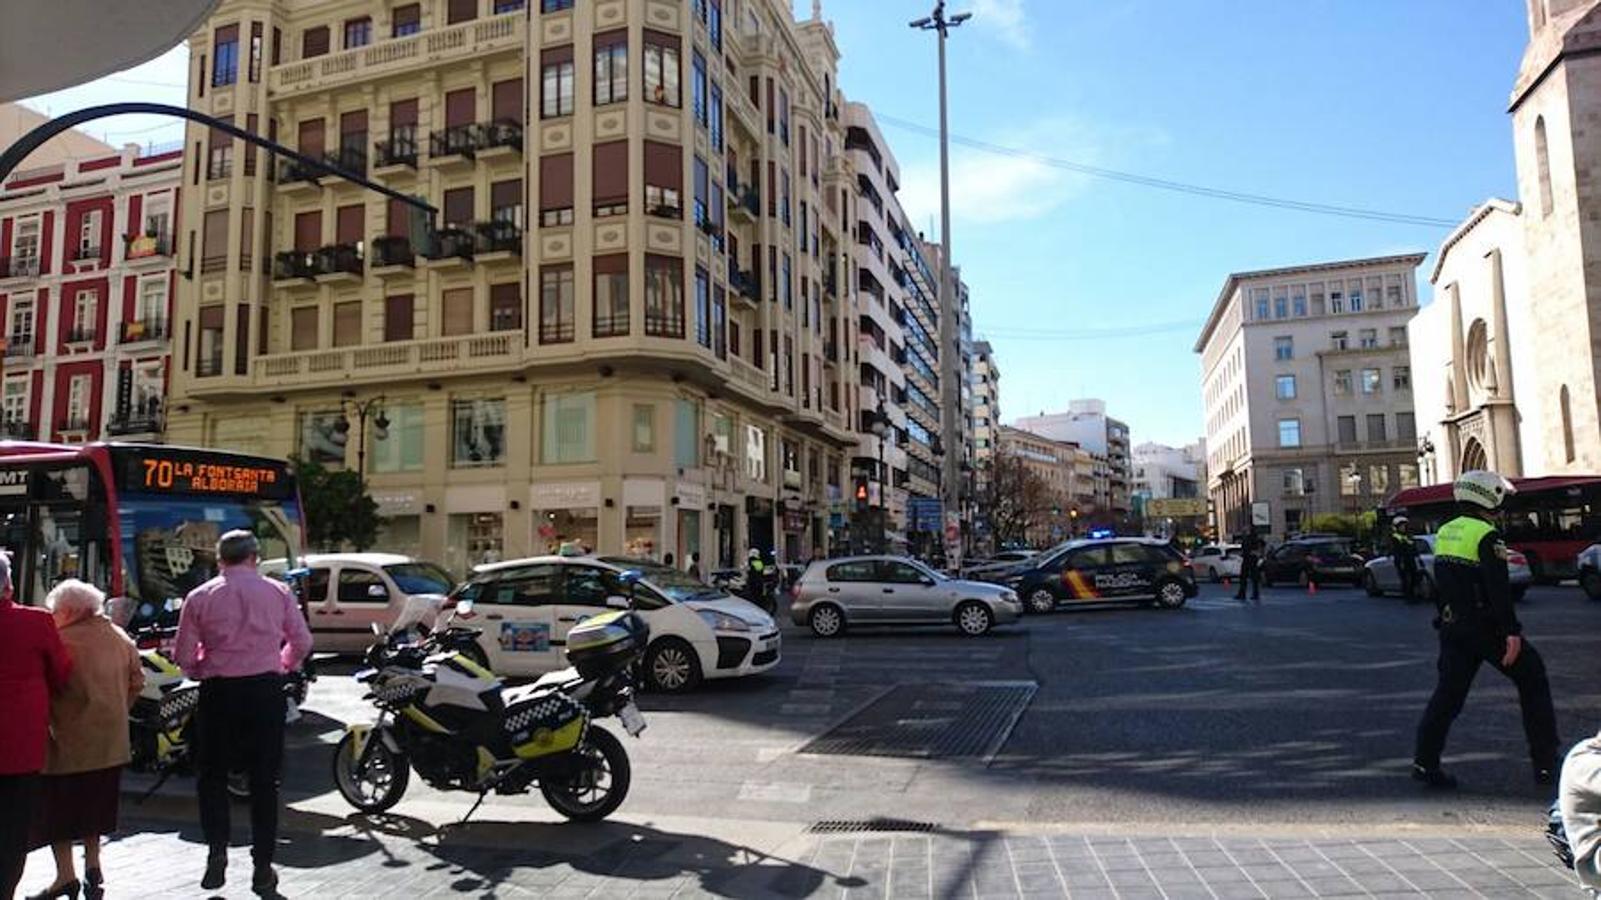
(48,45)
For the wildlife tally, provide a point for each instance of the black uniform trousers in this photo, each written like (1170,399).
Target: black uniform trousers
(19,795)
(1250,574)
(241,728)
(1407,569)
(1462,651)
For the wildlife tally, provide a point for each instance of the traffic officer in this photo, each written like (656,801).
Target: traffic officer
(1405,555)
(756,578)
(1477,624)
(1250,566)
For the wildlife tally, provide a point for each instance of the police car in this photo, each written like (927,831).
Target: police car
(1106,570)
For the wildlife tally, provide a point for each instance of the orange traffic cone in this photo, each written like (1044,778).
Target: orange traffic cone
(1226,581)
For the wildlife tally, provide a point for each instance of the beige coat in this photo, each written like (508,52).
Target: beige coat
(89,718)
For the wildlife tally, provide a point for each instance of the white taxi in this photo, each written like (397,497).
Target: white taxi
(525,608)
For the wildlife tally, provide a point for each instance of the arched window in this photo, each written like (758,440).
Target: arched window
(1473,456)
(1542,162)
(1567,425)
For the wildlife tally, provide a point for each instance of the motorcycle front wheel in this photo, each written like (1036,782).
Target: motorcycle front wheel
(376,786)
(597,783)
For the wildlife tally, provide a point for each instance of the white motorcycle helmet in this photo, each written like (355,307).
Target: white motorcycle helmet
(1483,489)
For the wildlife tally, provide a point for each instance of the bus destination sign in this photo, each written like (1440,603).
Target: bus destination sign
(201,472)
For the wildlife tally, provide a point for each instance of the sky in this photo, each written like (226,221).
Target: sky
(1088,287)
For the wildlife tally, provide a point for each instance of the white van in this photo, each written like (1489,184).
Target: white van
(348,593)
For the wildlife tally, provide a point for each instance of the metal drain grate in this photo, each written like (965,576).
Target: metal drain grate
(846,826)
(938,720)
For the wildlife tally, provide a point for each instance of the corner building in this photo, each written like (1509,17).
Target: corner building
(620,333)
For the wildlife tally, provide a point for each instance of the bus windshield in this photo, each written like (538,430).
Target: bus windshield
(169,543)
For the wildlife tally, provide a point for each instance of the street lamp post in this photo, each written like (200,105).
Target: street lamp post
(949,365)
(880,428)
(372,406)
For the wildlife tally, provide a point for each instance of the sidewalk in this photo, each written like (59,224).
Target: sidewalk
(328,853)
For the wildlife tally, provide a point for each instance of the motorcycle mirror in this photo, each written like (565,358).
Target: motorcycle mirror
(377,630)
(146,610)
(464,608)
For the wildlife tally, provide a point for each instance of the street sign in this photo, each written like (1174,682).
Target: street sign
(1261,514)
(1175,507)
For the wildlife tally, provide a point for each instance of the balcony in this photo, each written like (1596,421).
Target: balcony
(454,146)
(295,176)
(443,46)
(144,330)
(745,204)
(208,366)
(746,285)
(90,253)
(382,362)
(745,116)
(392,256)
(351,159)
(81,336)
(501,138)
(19,346)
(830,353)
(452,247)
(498,241)
(338,264)
(395,155)
(290,266)
(1353,445)
(19,267)
(143,249)
(17,430)
(73,423)
(127,422)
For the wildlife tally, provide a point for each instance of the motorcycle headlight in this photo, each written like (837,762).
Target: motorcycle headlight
(719,621)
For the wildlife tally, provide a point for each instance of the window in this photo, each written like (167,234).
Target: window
(16,399)
(1401,378)
(644,430)
(556,94)
(219,152)
(1350,481)
(714,23)
(1289,432)
(568,428)
(302,329)
(89,235)
(458,208)
(1294,482)
(755,453)
(1406,428)
(611,67)
(686,434)
(460,11)
(1281,307)
(1378,480)
(703,308)
(1261,306)
(1339,340)
(1369,338)
(214,242)
(1376,429)
(399,316)
(1336,302)
(610,179)
(84,303)
(225,56)
(152,309)
(701,178)
(611,295)
(1407,475)
(556,304)
(407,19)
(1342,382)
(1299,301)
(664,296)
(716,126)
(551,6)
(661,69)
(347,323)
(506,306)
(399,448)
(1345,427)
(1284,387)
(255,52)
(1371,381)
(783,197)
(1283,348)
(478,433)
(1542,164)
(783,115)
(457,307)
(25,245)
(854,572)
(506,6)
(314,42)
(664,180)
(506,200)
(1398,336)
(1355,301)
(358,32)
(697,88)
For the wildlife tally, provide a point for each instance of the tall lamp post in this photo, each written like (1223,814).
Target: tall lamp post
(372,406)
(950,488)
(880,428)
(1354,479)
(1426,460)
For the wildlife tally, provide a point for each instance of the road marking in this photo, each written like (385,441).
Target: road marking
(805,709)
(775,792)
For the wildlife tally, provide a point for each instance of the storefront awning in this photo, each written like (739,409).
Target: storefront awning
(48,46)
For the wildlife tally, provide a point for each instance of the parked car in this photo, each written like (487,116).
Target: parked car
(526,607)
(348,593)
(1216,562)
(1588,565)
(1306,560)
(1381,576)
(836,594)
(1106,569)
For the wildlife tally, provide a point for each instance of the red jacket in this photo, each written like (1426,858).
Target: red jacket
(33,665)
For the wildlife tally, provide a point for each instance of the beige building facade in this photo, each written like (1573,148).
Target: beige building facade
(621,333)
(1307,386)
(1068,473)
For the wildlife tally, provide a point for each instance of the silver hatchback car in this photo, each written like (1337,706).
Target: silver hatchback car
(893,590)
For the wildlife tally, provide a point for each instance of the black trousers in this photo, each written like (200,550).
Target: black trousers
(18,796)
(1460,658)
(241,728)
(1250,574)
(1408,573)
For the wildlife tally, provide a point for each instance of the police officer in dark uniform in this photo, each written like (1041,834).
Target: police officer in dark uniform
(1250,566)
(1405,555)
(1477,624)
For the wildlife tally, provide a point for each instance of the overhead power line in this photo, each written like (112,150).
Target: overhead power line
(1306,206)
(1088,334)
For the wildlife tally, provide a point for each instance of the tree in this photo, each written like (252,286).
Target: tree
(1014,499)
(339,511)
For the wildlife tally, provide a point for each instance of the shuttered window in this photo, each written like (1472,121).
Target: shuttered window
(312,140)
(506,201)
(460,11)
(610,178)
(664,179)
(506,306)
(308,231)
(398,318)
(214,241)
(506,100)
(457,308)
(351,221)
(347,323)
(556,189)
(314,42)
(459,207)
(303,328)
(461,107)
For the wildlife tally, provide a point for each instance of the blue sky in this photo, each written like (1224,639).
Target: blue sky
(1089,287)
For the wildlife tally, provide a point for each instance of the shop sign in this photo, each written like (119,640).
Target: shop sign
(794,520)
(565,495)
(691,496)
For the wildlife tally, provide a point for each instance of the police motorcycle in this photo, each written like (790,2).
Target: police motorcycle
(455,723)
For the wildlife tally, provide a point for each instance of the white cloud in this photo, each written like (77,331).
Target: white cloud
(1003,18)
(988,187)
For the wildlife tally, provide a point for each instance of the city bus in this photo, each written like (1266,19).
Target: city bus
(1549,520)
(139,521)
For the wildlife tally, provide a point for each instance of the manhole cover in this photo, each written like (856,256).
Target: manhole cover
(931,721)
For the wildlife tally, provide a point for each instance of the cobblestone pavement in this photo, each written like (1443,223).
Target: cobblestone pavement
(323,856)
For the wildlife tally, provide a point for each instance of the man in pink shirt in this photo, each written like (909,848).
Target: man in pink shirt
(237,635)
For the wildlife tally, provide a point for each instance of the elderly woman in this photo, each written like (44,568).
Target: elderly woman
(88,736)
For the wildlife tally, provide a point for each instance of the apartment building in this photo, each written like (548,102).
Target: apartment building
(627,329)
(86,282)
(1066,471)
(986,403)
(1162,472)
(1307,388)
(1106,439)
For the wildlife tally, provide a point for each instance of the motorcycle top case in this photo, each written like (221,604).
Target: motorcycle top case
(549,722)
(606,643)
